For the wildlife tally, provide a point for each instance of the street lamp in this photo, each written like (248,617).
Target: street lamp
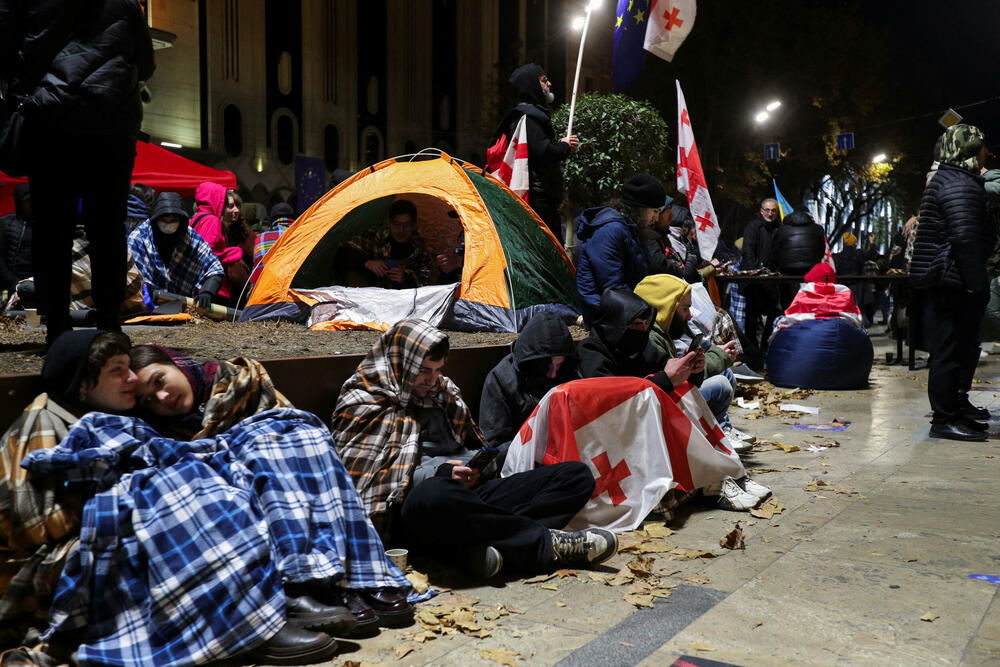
(578,23)
(761,116)
(773,105)
(879,158)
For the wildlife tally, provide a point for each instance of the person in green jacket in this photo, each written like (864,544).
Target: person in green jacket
(671,297)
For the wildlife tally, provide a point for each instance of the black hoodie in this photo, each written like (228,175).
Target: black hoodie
(15,242)
(168,203)
(545,153)
(515,386)
(606,352)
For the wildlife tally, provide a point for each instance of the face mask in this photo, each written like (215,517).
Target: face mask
(168,227)
(633,342)
(549,97)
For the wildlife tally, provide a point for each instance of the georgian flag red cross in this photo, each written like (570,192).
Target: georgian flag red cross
(691,181)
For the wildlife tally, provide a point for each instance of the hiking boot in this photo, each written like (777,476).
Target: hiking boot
(305,612)
(482,562)
(583,548)
(293,646)
(732,497)
(744,373)
(753,488)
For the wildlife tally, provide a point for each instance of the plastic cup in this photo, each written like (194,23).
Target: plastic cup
(32,317)
(398,557)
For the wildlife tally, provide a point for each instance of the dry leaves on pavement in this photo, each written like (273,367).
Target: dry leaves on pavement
(733,539)
(930,617)
(452,615)
(501,655)
(768,508)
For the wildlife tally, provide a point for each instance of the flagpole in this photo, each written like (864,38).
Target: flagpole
(579,61)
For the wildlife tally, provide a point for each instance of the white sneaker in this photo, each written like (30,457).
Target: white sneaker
(744,373)
(753,488)
(732,497)
(734,433)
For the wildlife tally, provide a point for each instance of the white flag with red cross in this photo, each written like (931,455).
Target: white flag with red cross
(514,169)
(638,441)
(691,181)
(670,21)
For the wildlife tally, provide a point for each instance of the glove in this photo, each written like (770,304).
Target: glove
(205,300)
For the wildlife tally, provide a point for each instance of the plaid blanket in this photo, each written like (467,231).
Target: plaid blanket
(39,518)
(287,487)
(376,435)
(376,245)
(80,285)
(241,388)
(191,263)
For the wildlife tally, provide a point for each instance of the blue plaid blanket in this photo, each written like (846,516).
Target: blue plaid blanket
(184,546)
(184,272)
(737,302)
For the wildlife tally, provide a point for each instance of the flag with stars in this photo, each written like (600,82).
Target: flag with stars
(638,441)
(630,34)
(691,181)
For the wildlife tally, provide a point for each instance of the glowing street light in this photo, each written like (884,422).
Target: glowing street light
(773,105)
(879,158)
(578,23)
(761,116)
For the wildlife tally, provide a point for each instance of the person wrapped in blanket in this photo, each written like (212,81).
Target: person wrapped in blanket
(619,345)
(410,443)
(195,400)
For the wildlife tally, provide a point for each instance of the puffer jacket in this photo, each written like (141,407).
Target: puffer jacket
(954,238)
(16,233)
(610,256)
(76,66)
(799,245)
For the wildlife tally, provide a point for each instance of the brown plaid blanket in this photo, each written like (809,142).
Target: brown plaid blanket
(241,388)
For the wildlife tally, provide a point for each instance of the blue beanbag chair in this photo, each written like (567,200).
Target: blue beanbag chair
(820,354)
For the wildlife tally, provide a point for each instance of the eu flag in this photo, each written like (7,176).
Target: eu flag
(630,33)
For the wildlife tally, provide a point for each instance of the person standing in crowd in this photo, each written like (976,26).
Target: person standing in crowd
(799,246)
(77,74)
(759,240)
(545,154)
(16,231)
(610,252)
(953,242)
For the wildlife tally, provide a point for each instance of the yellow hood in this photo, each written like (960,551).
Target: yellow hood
(663,292)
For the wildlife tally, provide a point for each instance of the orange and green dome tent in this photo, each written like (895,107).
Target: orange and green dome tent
(513,266)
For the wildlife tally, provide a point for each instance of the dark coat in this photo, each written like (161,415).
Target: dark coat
(599,353)
(800,244)
(545,152)
(515,386)
(759,239)
(15,244)
(610,256)
(77,66)
(954,238)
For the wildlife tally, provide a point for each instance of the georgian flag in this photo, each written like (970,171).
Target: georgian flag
(638,441)
(820,301)
(670,21)
(514,169)
(691,180)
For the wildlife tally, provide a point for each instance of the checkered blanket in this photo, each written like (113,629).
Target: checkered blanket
(737,302)
(80,290)
(191,263)
(205,530)
(375,433)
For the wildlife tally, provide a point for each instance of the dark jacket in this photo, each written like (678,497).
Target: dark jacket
(610,256)
(77,66)
(15,244)
(954,238)
(799,244)
(662,258)
(601,354)
(759,239)
(515,386)
(545,152)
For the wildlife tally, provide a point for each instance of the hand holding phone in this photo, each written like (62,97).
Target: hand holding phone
(483,458)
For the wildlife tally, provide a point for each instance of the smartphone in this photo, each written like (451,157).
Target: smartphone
(695,343)
(483,458)
(391,263)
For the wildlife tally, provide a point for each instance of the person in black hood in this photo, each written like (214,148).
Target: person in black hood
(619,344)
(545,153)
(15,241)
(76,70)
(542,357)
(799,246)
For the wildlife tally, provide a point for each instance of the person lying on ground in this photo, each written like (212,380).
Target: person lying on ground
(671,297)
(172,257)
(543,356)
(392,256)
(200,400)
(619,346)
(410,443)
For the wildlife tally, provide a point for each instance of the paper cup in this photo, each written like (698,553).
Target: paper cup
(33,318)
(398,557)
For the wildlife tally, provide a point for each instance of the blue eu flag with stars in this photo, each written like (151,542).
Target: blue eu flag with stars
(630,33)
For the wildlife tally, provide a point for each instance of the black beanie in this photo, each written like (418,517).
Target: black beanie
(643,191)
(65,362)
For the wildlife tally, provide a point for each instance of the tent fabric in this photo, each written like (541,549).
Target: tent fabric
(155,166)
(513,266)
(820,354)
(342,308)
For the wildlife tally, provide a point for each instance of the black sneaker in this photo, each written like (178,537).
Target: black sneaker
(482,562)
(583,547)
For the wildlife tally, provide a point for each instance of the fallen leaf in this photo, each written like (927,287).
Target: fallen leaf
(690,555)
(512,609)
(562,574)
(929,617)
(910,560)
(815,485)
(404,650)
(797,467)
(641,565)
(733,539)
(540,578)
(500,655)
(639,600)
(758,471)
(599,576)
(698,646)
(657,529)
(560,604)
(549,587)
(768,509)
(664,572)
(419,581)
(482,634)
(846,490)
(658,547)
(427,618)
(788,449)
(424,636)
(626,644)
(756,625)
(695,578)
(875,553)
(621,578)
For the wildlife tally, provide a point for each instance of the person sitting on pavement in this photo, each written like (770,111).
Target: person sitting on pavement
(611,255)
(542,357)
(172,257)
(59,439)
(408,439)
(820,297)
(16,232)
(656,240)
(393,256)
(619,345)
(209,222)
(188,400)
(671,297)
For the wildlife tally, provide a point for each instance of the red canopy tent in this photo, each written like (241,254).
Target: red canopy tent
(155,166)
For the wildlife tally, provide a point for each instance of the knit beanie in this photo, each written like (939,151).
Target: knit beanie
(643,191)
(850,239)
(821,273)
(65,363)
